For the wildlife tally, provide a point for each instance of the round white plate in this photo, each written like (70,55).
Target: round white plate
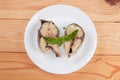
(62,16)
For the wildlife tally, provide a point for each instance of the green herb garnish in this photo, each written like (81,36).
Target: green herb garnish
(51,40)
(62,39)
(64,28)
(70,36)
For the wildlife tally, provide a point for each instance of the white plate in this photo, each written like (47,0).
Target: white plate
(62,16)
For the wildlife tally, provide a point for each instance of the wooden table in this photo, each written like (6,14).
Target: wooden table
(16,65)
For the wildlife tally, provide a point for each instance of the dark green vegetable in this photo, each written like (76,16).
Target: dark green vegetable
(61,40)
(51,40)
(64,28)
(71,36)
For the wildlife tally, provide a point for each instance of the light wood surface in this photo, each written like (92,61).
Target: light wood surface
(16,65)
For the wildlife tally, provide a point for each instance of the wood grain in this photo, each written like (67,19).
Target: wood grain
(99,68)
(16,65)
(12,34)
(24,9)
(17,14)
(108,38)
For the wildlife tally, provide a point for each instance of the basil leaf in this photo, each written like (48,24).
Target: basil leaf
(51,40)
(64,28)
(61,41)
(71,36)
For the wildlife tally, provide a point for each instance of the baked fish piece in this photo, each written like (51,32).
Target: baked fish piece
(48,29)
(73,45)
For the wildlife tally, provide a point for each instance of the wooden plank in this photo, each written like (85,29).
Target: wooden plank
(17,66)
(17,14)
(24,9)
(12,35)
(108,38)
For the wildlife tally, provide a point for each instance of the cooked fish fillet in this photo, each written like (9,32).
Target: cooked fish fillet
(48,29)
(72,46)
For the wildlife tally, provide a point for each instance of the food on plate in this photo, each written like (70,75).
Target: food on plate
(49,38)
(48,29)
(60,40)
(73,45)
